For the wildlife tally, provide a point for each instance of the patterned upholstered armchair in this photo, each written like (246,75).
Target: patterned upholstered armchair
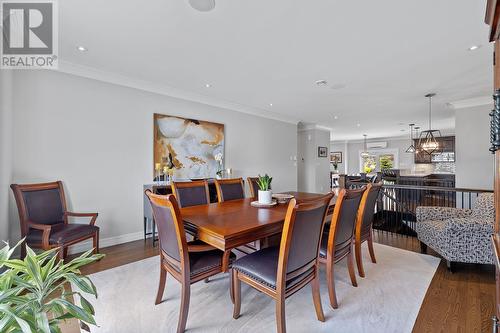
(459,235)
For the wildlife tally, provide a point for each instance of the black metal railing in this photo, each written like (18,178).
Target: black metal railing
(396,206)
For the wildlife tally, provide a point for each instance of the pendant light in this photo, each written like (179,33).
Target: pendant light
(411,148)
(417,147)
(427,141)
(365,153)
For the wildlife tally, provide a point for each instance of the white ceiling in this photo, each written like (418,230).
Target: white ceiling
(387,53)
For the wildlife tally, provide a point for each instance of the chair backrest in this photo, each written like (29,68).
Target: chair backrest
(230,189)
(367,208)
(253,186)
(344,218)
(39,203)
(484,207)
(192,193)
(300,241)
(171,234)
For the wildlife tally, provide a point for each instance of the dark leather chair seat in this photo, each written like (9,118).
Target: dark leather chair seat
(62,233)
(262,266)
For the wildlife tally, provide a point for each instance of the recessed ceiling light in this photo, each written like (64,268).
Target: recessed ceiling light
(335,117)
(358,125)
(81,48)
(474,47)
(270,104)
(321,82)
(202,5)
(208,85)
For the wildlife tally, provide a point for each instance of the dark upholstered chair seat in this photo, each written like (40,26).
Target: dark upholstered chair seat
(62,233)
(262,266)
(339,253)
(204,261)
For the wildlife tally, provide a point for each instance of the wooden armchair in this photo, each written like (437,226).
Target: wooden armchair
(44,219)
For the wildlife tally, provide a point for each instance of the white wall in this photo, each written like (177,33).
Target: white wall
(313,172)
(474,163)
(98,138)
(6,114)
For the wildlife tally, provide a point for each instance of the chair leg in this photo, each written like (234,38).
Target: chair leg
(95,241)
(350,266)
(331,283)
(207,280)
(145,227)
(370,249)
(65,252)
(183,314)
(423,247)
(317,297)
(161,285)
(359,259)
(23,250)
(280,314)
(236,287)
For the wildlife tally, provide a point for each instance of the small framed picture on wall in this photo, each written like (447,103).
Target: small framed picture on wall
(336,157)
(322,152)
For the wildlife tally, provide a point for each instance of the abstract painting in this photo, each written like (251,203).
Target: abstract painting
(192,148)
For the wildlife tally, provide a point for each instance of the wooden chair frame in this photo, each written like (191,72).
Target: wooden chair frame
(46,229)
(195,183)
(250,181)
(368,237)
(180,270)
(219,182)
(281,293)
(330,259)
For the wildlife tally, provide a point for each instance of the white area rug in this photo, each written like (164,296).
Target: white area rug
(387,300)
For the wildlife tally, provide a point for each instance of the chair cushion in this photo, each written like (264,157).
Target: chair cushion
(262,266)
(484,207)
(204,261)
(62,233)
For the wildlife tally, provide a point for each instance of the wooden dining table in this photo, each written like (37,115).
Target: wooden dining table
(234,223)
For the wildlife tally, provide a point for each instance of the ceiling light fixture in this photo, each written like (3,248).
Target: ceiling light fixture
(474,47)
(202,5)
(81,48)
(270,104)
(411,148)
(365,153)
(208,85)
(321,83)
(358,125)
(335,117)
(427,141)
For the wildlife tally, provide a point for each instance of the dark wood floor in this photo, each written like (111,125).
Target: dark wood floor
(462,301)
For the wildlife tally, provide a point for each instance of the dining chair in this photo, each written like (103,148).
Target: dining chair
(191,193)
(337,242)
(279,272)
(230,189)
(43,216)
(364,224)
(187,262)
(253,186)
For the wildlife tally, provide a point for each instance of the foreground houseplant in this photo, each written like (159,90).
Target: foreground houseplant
(265,193)
(32,293)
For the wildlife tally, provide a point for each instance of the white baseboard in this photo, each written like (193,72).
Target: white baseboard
(105,242)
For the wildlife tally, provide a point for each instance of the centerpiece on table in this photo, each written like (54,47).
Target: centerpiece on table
(265,192)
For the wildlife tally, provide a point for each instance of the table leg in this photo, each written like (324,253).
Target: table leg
(225,261)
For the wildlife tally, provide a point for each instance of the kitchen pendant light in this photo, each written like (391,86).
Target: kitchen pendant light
(411,148)
(365,153)
(427,141)
(417,147)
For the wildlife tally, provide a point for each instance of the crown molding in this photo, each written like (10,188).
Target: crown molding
(471,102)
(165,90)
(308,126)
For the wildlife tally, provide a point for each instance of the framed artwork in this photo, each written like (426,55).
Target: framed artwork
(336,157)
(322,152)
(192,148)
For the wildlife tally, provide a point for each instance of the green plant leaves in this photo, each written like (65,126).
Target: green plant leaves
(264,182)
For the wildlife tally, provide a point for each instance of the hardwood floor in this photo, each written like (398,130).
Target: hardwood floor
(462,301)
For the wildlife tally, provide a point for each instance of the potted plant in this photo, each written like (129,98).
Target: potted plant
(33,297)
(265,193)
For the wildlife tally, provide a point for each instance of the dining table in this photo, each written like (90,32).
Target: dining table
(230,224)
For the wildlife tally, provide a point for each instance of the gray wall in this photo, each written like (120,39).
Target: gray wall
(98,138)
(474,163)
(6,114)
(313,172)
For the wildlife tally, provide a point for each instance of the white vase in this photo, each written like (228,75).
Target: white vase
(265,197)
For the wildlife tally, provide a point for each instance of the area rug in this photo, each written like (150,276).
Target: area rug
(387,300)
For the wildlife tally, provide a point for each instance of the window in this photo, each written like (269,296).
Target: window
(378,160)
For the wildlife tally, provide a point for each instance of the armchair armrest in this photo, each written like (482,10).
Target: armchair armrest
(197,246)
(92,215)
(440,213)
(45,228)
(475,225)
